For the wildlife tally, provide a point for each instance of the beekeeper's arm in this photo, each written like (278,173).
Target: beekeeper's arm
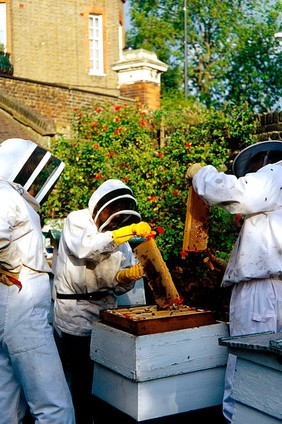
(254,192)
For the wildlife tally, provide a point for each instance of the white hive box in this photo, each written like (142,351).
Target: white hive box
(159,374)
(258,378)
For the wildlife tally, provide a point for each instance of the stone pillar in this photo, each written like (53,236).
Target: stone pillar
(139,76)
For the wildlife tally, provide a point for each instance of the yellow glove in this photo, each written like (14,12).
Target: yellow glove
(192,170)
(133,273)
(123,234)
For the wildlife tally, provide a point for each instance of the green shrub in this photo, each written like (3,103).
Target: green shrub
(123,141)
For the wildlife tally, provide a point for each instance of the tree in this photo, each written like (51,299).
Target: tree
(232,53)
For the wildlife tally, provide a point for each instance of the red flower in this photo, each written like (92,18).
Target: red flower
(160,155)
(143,123)
(175,192)
(105,128)
(126,179)
(80,115)
(98,109)
(160,229)
(109,155)
(121,164)
(95,146)
(98,176)
(117,119)
(188,145)
(151,198)
(75,108)
(117,107)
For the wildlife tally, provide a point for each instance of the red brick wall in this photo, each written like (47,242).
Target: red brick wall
(146,93)
(56,102)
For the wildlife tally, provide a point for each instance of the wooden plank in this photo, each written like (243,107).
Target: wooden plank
(157,273)
(196,224)
(160,397)
(246,414)
(150,320)
(159,355)
(258,387)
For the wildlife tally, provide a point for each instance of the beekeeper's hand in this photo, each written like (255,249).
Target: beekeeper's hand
(5,280)
(123,234)
(214,263)
(9,279)
(133,273)
(192,171)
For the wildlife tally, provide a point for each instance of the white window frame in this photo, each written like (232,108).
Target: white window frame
(96,53)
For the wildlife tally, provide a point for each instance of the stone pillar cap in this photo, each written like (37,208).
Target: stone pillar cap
(139,58)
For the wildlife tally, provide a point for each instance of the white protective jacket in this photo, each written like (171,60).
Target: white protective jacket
(30,367)
(87,262)
(257,253)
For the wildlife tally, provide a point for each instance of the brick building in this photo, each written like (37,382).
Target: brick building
(67,54)
(70,42)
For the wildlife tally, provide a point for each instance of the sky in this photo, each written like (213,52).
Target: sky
(126,17)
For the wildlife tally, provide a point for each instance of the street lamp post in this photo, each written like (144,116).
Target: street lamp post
(185,50)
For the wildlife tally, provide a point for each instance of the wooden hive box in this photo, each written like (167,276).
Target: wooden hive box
(257,383)
(156,375)
(150,320)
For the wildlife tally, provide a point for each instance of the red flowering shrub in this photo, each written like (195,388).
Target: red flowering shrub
(122,141)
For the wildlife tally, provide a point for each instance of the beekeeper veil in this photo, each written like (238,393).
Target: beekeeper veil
(263,151)
(26,163)
(111,194)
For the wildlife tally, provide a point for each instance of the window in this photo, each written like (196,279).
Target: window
(3,24)
(96,45)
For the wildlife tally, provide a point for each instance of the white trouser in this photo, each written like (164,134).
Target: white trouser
(30,367)
(255,307)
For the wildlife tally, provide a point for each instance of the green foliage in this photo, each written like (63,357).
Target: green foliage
(122,141)
(232,54)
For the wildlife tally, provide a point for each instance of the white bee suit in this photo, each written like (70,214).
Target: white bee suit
(255,265)
(30,367)
(88,261)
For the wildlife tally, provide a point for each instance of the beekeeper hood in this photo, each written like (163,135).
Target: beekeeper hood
(109,193)
(265,151)
(26,163)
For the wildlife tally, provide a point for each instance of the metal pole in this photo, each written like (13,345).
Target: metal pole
(185,50)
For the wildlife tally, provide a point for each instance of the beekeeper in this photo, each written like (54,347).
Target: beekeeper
(30,368)
(254,269)
(95,263)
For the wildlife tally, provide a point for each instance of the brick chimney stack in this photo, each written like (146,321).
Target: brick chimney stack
(139,76)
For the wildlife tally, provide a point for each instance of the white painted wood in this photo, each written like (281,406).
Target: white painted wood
(246,415)
(159,397)
(267,359)
(259,387)
(148,357)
